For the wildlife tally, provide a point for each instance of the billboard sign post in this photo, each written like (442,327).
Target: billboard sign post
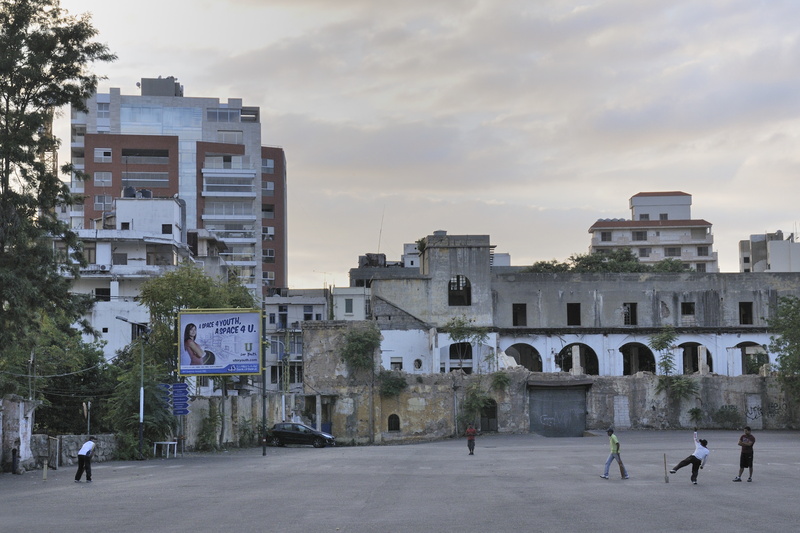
(219,342)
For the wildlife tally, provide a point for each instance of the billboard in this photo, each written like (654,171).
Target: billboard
(219,342)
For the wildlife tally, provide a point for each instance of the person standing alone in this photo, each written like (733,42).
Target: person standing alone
(746,441)
(613,441)
(85,460)
(470,433)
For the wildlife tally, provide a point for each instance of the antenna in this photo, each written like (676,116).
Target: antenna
(380,232)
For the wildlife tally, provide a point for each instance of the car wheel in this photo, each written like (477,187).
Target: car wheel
(318,443)
(275,441)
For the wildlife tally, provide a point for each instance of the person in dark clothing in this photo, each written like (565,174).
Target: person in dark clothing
(746,441)
(85,460)
(697,459)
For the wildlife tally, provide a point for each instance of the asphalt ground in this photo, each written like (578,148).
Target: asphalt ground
(512,483)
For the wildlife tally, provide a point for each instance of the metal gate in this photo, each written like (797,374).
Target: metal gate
(558,412)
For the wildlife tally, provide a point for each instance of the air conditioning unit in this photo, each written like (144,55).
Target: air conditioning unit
(104,268)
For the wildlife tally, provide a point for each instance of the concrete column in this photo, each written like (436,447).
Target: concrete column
(702,365)
(318,422)
(576,360)
(677,359)
(114,289)
(734,360)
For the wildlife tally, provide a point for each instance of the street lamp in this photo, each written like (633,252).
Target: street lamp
(141,383)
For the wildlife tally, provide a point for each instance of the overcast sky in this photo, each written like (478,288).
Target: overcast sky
(526,121)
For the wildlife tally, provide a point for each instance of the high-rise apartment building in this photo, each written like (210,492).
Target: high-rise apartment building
(203,151)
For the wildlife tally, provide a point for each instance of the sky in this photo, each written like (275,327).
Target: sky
(523,120)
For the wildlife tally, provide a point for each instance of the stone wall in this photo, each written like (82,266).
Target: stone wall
(70,445)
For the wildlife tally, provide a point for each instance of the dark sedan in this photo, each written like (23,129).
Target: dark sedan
(294,433)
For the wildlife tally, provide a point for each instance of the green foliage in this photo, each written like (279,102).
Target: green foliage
(728,417)
(475,399)
(462,331)
(500,380)
(248,433)
(676,387)
(44,65)
(785,342)
(618,260)
(187,287)
(392,383)
(669,265)
(209,427)
(543,267)
(695,415)
(123,406)
(127,447)
(421,244)
(358,348)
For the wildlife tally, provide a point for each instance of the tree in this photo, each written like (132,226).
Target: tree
(187,287)
(44,64)
(464,335)
(358,349)
(617,260)
(785,342)
(674,387)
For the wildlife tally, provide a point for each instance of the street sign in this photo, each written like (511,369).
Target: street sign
(178,412)
(180,405)
(180,386)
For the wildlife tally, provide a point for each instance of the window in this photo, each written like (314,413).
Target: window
(268,188)
(166,229)
(102,155)
(119,258)
(629,314)
(272,318)
(268,166)
(573,314)
(102,202)
(672,251)
(103,110)
(230,137)
(519,314)
(268,211)
(700,267)
(417,364)
(687,308)
(396,363)
(308,312)
(348,306)
(102,179)
(702,251)
(639,236)
(394,423)
(605,236)
(645,252)
(663,216)
(295,374)
(746,313)
(102,294)
(223,115)
(644,217)
(124,225)
(459,291)
(268,255)
(90,252)
(746,260)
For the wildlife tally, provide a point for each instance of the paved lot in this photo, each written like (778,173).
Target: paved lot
(512,483)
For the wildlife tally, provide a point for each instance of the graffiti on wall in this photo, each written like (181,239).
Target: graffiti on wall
(772,410)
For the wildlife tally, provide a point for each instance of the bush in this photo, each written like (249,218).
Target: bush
(392,383)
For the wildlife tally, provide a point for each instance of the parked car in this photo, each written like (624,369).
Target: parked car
(294,433)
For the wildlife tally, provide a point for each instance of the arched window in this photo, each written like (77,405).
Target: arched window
(394,423)
(460,291)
